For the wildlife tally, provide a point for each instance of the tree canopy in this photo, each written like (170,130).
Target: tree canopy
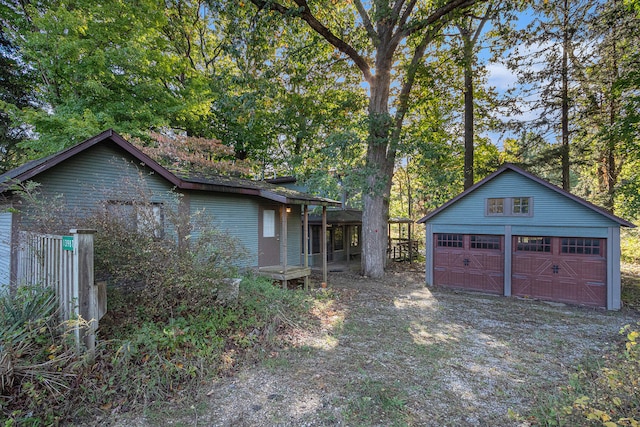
(368,98)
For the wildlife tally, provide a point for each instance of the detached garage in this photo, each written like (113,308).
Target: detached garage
(515,234)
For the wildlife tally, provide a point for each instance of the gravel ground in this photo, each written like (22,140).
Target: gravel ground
(392,352)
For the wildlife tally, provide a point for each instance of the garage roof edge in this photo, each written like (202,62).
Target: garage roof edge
(514,168)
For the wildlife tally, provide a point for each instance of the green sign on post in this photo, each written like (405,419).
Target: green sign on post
(67,243)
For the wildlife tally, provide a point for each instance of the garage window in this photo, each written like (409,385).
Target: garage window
(533,244)
(509,206)
(495,207)
(450,240)
(485,242)
(521,206)
(581,246)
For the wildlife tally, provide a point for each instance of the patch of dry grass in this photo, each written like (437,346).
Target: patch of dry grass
(392,352)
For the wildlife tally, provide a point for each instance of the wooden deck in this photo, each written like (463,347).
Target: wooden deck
(278,272)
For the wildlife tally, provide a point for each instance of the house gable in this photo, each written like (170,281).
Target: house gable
(100,173)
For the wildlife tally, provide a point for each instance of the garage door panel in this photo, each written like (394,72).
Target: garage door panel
(594,293)
(567,270)
(476,264)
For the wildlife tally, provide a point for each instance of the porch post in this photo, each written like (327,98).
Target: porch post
(305,242)
(324,244)
(410,246)
(283,244)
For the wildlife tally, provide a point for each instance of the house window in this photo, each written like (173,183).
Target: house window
(495,206)
(581,246)
(338,236)
(140,217)
(450,240)
(315,239)
(269,223)
(150,219)
(355,236)
(485,242)
(520,206)
(533,244)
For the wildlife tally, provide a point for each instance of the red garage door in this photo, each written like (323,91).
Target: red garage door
(474,262)
(572,270)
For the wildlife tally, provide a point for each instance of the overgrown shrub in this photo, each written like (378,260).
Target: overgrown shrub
(146,362)
(157,250)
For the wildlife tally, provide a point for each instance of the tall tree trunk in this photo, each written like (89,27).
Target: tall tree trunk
(468,111)
(612,170)
(379,169)
(564,151)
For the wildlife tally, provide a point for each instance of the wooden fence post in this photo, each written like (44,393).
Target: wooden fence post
(83,277)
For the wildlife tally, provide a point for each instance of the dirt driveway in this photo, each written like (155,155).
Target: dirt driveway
(393,352)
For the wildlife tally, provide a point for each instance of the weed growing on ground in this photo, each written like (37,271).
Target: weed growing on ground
(374,402)
(602,393)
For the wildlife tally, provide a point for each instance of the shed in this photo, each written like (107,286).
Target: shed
(264,218)
(515,234)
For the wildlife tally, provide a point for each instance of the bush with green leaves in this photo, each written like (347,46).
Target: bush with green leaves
(148,361)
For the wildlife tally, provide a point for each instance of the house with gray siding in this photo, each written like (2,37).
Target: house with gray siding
(264,218)
(515,234)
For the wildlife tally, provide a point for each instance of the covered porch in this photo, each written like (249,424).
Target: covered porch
(291,265)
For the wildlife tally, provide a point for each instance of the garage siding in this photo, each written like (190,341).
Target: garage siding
(550,209)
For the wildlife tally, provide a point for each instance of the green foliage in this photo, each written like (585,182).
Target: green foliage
(38,359)
(138,360)
(604,394)
(15,93)
(630,246)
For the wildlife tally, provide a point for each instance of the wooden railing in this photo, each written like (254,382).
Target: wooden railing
(65,263)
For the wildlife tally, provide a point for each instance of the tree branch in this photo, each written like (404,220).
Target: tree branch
(306,15)
(367,23)
(407,86)
(436,16)
(407,12)
(488,15)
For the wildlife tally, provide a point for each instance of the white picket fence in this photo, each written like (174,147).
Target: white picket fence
(65,263)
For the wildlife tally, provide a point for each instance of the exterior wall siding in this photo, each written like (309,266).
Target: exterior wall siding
(6,223)
(102,173)
(236,215)
(549,207)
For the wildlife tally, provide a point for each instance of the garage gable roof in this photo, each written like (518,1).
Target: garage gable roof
(548,185)
(223,184)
